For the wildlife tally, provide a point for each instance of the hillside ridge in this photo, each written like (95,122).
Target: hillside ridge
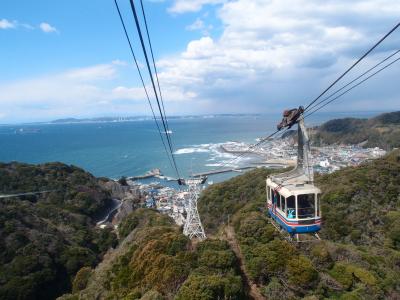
(381,131)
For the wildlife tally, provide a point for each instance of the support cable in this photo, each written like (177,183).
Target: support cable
(154,63)
(153,84)
(356,63)
(251,147)
(26,194)
(311,106)
(354,86)
(141,78)
(355,79)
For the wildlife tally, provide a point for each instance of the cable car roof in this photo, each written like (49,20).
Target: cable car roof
(290,189)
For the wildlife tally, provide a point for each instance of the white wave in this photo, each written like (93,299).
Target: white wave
(223,155)
(213,165)
(190,150)
(217,156)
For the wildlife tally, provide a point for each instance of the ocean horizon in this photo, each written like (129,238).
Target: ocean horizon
(132,147)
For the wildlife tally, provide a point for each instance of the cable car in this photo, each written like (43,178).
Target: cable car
(292,199)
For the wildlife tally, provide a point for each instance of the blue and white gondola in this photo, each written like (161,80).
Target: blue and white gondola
(296,208)
(293,201)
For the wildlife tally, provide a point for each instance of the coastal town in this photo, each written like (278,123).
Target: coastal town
(134,194)
(276,153)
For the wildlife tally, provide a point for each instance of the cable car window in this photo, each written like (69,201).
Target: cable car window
(306,206)
(318,205)
(282,203)
(291,207)
(278,204)
(274,197)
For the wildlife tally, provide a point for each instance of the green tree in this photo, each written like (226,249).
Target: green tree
(301,271)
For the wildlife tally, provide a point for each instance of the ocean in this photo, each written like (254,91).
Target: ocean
(116,149)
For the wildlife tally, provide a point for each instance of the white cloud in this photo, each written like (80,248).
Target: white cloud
(270,55)
(198,24)
(5,24)
(88,91)
(122,92)
(46,27)
(93,73)
(119,62)
(83,91)
(184,6)
(27,26)
(276,52)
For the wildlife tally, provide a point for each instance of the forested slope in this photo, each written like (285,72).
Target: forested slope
(382,131)
(359,256)
(45,239)
(156,261)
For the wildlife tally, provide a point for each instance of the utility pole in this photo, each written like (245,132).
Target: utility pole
(193,227)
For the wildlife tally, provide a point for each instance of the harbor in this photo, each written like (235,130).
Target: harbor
(157,191)
(220,171)
(149,174)
(281,153)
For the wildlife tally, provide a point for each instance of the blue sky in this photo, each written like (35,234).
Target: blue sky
(70,58)
(88,33)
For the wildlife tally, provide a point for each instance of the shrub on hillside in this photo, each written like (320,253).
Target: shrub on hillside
(301,271)
(81,279)
(202,287)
